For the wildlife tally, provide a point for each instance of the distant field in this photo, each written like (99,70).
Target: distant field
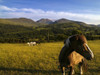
(21,59)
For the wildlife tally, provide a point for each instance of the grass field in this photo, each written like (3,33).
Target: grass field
(21,59)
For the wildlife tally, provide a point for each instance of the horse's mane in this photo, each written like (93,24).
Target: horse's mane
(82,38)
(75,37)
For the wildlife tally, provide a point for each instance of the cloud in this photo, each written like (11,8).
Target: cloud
(5,8)
(36,14)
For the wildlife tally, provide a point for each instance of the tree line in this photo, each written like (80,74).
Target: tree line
(45,33)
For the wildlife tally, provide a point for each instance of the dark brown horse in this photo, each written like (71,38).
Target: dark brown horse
(74,51)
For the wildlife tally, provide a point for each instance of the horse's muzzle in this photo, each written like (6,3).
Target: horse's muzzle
(90,57)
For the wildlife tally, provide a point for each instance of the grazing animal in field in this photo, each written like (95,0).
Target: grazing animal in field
(74,51)
(31,43)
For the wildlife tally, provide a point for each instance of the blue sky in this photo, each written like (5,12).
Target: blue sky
(80,10)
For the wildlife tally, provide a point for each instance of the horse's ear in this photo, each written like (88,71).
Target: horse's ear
(77,37)
(74,38)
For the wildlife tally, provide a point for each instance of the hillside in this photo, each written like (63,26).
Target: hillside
(63,20)
(19,21)
(23,30)
(45,21)
(98,25)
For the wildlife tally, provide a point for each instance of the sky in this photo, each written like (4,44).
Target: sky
(87,11)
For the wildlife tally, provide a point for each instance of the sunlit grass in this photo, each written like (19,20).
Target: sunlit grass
(42,59)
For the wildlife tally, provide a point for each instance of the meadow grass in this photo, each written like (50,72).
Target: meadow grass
(42,59)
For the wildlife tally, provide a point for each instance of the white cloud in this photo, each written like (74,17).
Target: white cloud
(36,14)
(32,10)
(5,8)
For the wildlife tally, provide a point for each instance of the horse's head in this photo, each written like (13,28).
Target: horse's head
(79,44)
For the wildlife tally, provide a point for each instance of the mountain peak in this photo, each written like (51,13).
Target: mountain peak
(62,20)
(45,21)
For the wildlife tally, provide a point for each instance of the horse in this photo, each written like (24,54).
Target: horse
(31,43)
(74,51)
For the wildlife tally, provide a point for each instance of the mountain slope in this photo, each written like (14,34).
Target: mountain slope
(63,20)
(45,21)
(19,21)
(24,30)
(98,25)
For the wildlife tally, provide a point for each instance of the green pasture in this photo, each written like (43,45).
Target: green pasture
(42,59)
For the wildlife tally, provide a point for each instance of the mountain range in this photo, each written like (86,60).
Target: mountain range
(23,30)
(30,22)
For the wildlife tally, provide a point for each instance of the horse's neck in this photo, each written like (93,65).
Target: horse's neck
(67,50)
